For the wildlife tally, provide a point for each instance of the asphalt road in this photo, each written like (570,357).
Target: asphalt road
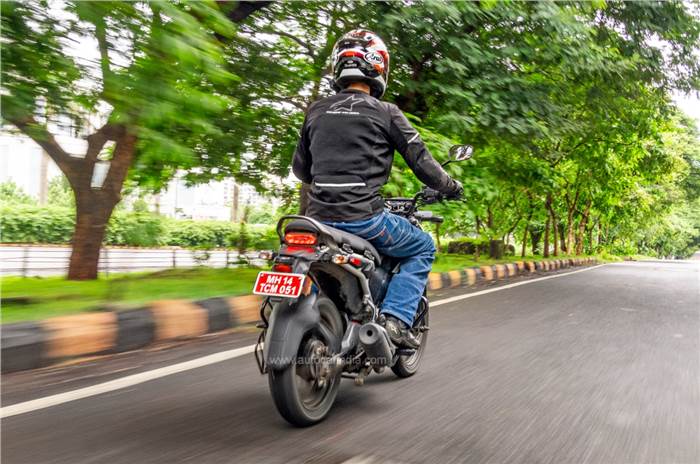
(601,366)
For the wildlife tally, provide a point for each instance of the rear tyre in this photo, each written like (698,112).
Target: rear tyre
(407,365)
(298,395)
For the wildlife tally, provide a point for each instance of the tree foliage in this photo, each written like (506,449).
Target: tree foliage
(157,78)
(579,146)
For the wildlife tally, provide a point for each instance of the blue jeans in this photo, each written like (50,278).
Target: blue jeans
(394,236)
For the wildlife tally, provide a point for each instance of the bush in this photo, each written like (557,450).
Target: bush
(54,224)
(212,234)
(468,246)
(36,224)
(135,229)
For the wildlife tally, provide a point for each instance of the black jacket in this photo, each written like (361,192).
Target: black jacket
(346,150)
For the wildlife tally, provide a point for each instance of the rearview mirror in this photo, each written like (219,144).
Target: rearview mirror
(461,152)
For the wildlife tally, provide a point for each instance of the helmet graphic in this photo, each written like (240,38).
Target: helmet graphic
(360,56)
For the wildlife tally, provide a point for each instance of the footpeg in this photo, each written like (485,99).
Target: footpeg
(361,376)
(405,352)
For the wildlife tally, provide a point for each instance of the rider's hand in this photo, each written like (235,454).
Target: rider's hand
(456,192)
(431,195)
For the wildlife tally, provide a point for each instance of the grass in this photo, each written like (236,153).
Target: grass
(35,298)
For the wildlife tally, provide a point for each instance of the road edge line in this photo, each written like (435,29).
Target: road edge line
(504,287)
(124,382)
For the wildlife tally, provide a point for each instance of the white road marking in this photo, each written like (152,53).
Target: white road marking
(135,379)
(124,382)
(368,460)
(504,287)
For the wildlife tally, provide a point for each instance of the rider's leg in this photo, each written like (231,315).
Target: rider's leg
(395,236)
(417,250)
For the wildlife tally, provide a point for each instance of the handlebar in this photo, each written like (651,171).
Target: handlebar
(428,216)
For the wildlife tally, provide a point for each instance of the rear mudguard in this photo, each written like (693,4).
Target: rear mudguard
(289,321)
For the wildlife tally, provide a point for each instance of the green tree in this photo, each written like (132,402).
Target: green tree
(158,65)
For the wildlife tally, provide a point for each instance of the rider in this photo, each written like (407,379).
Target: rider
(345,153)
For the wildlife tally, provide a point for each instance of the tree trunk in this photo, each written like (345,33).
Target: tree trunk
(562,240)
(92,215)
(94,205)
(548,208)
(496,249)
(545,251)
(522,251)
(580,236)
(234,202)
(555,231)
(570,230)
(535,236)
(570,210)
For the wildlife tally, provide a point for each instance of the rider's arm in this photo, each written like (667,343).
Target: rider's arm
(408,142)
(301,163)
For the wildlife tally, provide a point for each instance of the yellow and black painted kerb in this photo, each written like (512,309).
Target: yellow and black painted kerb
(29,345)
(469,276)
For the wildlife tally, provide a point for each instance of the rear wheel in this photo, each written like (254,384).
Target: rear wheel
(304,392)
(407,365)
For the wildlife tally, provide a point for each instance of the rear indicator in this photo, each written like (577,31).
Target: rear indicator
(280,267)
(300,238)
(339,259)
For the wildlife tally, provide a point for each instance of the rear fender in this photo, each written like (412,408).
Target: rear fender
(289,321)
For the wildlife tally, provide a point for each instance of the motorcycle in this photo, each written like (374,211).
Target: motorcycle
(319,317)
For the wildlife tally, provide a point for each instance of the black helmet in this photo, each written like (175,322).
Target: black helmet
(360,56)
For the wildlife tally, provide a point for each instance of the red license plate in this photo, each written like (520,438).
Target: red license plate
(279,284)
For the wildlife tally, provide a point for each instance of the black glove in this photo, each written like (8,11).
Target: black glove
(431,196)
(456,192)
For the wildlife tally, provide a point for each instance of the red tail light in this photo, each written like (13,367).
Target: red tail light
(300,238)
(280,267)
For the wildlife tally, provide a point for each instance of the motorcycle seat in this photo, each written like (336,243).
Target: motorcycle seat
(340,237)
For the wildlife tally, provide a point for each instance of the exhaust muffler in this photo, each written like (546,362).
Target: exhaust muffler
(377,344)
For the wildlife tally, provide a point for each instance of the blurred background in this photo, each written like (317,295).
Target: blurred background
(146,146)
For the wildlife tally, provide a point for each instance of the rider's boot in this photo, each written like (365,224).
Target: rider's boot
(399,333)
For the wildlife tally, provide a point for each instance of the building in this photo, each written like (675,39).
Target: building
(213,200)
(23,162)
